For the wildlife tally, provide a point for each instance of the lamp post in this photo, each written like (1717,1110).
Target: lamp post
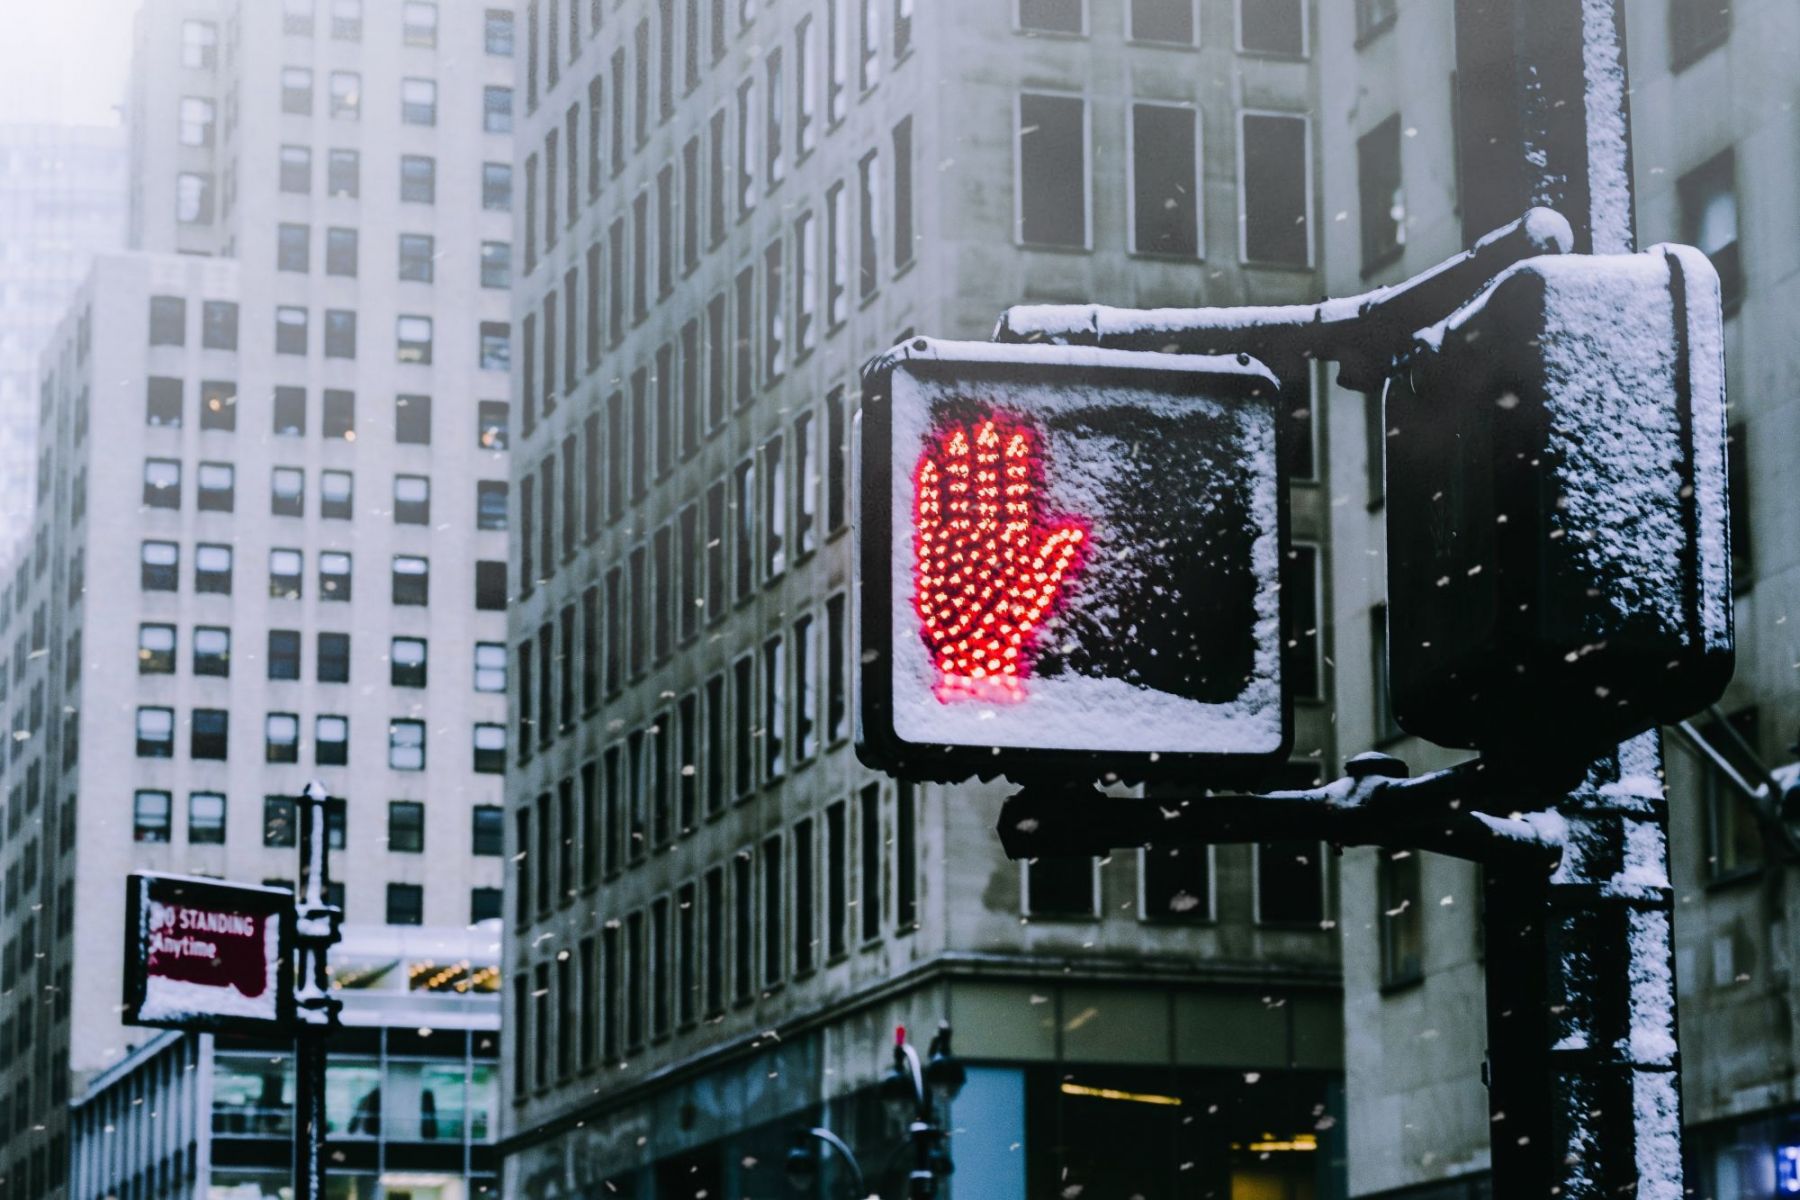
(914,1091)
(918,1093)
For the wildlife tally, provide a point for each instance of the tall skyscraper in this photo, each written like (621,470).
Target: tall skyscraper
(273,502)
(716,916)
(62,201)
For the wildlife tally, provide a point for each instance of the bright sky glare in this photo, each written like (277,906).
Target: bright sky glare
(64,62)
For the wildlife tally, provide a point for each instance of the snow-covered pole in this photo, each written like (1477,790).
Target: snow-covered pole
(1582,1063)
(315,1008)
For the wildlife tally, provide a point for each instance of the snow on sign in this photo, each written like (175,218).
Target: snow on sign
(200,954)
(1070,562)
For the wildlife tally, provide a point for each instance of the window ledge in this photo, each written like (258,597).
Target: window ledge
(1395,987)
(1374,32)
(1385,259)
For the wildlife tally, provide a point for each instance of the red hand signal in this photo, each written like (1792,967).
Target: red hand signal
(987,566)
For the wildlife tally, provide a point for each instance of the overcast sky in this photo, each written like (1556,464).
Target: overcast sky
(64,61)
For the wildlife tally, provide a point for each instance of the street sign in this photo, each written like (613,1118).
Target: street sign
(206,955)
(1559,568)
(1070,564)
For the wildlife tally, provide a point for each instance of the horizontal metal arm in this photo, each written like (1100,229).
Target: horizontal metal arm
(1366,335)
(1472,811)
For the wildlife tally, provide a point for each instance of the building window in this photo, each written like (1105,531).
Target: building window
(156,649)
(1373,16)
(284,654)
(419,24)
(412,500)
(418,101)
(412,420)
(290,330)
(490,586)
(1383,201)
(215,488)
(155,732)
(340,334)
(336,490)
(487,835)
(1737,491)
(1290,883)
(1274,210)
(1176,883)
(1387,726)
(289,411)
(491,417)
(1061,888)
(343,173)
(197,119)
(418,179)
(162,402)
(1734,840)
(338,418)
(1165,191)
(159,567)
(406,827)
(208,733)
(490,504)
(412,338)
(218,405)
(411,580)
(199,45)
(280,821)
(485,904)
(1171,21)
(334,658)
(490,749)
(837,685)
(334,575)
(490,667)
(1052,181)
(496,187)
(150,817)
(285,569)
(1053,16)
(206,819)
(1401,920)
(331,741)
(497,109)
(416,257)
(1300,610)
(212,569)
(496,346)
(168,321)
(1272,27)
(281,738)
(406,745)
(296,96)
(346,95)
(406,904)
(1709,220)
(496,264)
(194,198)
(497,30)
(297,17)
(218,329)
(162,483)
(1696,27)
(407,662)
(340,252)
(346,20)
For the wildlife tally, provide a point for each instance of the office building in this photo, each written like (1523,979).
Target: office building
(716,916)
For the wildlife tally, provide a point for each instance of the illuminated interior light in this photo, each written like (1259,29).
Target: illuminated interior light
(1100,1093)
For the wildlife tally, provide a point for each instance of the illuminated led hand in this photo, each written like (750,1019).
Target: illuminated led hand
(987,566)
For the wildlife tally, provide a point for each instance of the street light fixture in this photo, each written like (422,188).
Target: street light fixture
(913,1093)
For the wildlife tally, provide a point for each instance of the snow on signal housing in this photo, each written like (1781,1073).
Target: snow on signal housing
(1110,604)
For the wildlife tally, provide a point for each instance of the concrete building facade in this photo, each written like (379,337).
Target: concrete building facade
(1714,156)
(62,200)
(716,916)
(272,510)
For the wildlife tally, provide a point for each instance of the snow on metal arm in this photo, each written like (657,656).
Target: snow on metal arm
(988,567)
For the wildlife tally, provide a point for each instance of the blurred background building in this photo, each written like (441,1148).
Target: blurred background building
(411,1092)
(716,917)
(62,200)
(272,503)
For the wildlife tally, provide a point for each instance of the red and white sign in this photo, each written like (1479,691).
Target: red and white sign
(201,954)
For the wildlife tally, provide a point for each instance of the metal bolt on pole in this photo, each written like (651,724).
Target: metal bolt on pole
(316,929)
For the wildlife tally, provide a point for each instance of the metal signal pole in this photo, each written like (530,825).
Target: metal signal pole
(1583,1071)
(316,1009)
